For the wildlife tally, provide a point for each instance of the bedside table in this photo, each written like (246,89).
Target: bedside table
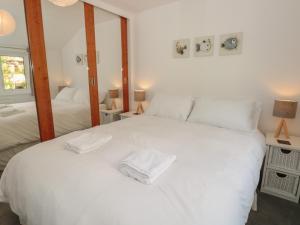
(128,115)
(109,116)
(282,168)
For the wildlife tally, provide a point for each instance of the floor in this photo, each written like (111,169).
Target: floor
(272,211)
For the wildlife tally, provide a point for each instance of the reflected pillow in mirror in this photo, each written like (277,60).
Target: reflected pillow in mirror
(66,94)
(81,97)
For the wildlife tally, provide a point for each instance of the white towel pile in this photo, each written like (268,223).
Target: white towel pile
(146,165)
(87,142)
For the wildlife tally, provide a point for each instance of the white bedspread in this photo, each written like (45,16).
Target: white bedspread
(212,181)
(23,127)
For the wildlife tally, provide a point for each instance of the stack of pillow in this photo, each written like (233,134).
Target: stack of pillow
(76,95)
(236,114)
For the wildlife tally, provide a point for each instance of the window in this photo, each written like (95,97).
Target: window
(14,73)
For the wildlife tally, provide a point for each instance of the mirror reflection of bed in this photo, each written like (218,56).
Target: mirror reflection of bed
(66,51)
(18,118)
(67,63)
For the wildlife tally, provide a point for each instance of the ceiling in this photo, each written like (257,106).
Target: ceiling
(60,24)
(137,5)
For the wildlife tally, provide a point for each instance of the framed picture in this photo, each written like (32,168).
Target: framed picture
(204,46)
(231,44)
(181,48)
(79,59)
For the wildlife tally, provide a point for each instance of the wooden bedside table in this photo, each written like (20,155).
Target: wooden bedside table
(282,168)
(128,115)
(109,116)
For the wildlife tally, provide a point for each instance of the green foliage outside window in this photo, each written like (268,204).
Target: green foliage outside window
(13,72)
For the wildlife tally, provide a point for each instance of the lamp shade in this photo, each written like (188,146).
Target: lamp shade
(285,109)
(113,93)
(63,3)
(139,95)
(7,23)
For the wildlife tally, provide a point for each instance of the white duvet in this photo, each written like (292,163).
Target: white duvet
(212,181)
(23,128)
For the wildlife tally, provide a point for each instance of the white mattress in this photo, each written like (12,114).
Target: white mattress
(23,128)
(212,182)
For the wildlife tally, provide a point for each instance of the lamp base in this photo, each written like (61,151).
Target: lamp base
(282,125)
(139,109)
(113,104)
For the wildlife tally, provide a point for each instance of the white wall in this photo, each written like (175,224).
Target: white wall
(268,68)
(55,71)
(108,43)
(75,75)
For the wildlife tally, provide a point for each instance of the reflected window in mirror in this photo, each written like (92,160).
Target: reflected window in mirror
(14,72)
(19,128)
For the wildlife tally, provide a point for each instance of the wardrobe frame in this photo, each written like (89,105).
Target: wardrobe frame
(35,31)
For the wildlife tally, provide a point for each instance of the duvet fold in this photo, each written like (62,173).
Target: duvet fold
(146,166)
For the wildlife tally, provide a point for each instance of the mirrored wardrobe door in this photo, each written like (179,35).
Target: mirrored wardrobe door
(18,116)
(66,50)
(109,64)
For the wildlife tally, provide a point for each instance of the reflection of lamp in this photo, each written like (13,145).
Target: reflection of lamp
(63,3)
(284,109)
(139,96)
(113,94)
(7,23)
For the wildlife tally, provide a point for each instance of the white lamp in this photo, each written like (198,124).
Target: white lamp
(7,23)
(63,3)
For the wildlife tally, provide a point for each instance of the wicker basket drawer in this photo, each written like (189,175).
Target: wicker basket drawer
(283,158)
(281,182)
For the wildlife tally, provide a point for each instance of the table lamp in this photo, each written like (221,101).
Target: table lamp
(113,94)
(284,109)
(139,97)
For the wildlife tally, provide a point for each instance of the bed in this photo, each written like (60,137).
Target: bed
(21,130)
(212,182)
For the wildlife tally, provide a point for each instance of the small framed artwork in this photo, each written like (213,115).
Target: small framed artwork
(204,46)
(79,59)
(181,48)
(231,44)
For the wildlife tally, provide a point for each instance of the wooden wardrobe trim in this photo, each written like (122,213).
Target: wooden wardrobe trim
(34,21)
(92,62)
(124,40)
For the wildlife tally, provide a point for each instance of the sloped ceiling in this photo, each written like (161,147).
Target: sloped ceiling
(137,5)
(60,24)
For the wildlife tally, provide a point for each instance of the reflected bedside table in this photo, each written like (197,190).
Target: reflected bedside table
(109,116)
(282,168)
(129,115)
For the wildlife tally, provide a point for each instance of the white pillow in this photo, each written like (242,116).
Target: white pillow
(66,94)
(102,95)
(81,97)
(242,115)
(174,107)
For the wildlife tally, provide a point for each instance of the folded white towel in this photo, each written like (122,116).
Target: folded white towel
(10,111)
(146,165)
(87,142)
